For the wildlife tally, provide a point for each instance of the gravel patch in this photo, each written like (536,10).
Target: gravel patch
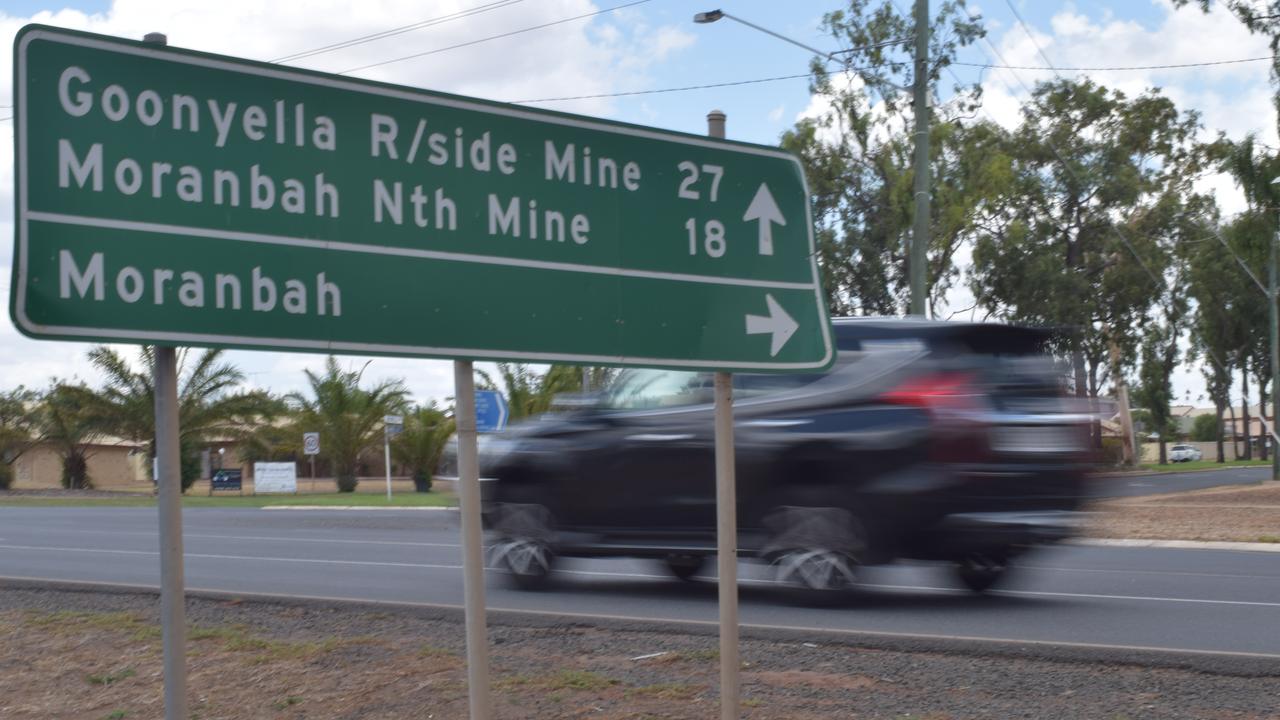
(1233,514)
(94,655)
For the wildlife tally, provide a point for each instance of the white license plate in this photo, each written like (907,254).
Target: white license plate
(1034,439)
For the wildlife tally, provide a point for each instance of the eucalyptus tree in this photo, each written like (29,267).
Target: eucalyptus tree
(211,403)
(857,154)
(1254,169)
(1225,301)
(1161,351)
(348,416)
(1100,192)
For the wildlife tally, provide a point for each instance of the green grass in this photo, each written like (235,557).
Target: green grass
(237,638)
(430,499)
(73,622)
(110,678)
(287,702)
(562,680)
(1202,465)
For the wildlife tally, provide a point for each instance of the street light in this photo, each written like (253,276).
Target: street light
(711,16)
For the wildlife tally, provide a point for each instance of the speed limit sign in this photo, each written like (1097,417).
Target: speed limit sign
(311,443)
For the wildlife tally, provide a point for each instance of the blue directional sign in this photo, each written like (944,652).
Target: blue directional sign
(491,411)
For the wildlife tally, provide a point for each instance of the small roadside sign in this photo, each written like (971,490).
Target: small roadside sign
(491,411)
(311,443)
(394,424)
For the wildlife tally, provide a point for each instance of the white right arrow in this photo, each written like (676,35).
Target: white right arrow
(777,323)
(764,209)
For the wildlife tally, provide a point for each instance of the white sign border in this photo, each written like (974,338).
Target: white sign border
(32,33)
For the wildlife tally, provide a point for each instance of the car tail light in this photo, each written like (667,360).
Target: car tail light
(938,392)
(956,403)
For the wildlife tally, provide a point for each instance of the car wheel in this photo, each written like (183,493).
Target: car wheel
(981,571)
(685,567)
(527,562)
(815,575)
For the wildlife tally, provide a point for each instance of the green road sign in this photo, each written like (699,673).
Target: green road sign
(178,197)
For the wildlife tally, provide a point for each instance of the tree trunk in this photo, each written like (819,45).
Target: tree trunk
(1164,455)
(1244,410)
(75,471)
(1222,456)
(1235,434)
(1262,415)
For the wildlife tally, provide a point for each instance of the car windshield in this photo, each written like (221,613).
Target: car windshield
(647,388)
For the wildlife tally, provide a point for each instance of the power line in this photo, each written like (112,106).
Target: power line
(495,37)
(1119,68)
(1030,36)
(667,90)
(397,30)
(1158,281)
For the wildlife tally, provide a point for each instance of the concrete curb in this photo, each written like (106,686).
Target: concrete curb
(355,507)
(1178,544)
(1146,473)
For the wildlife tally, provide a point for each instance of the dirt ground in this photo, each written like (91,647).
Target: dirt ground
(1236,514)
(96,656)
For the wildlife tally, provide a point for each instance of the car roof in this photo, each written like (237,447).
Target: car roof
(985,338)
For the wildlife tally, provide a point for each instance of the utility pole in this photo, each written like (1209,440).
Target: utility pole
(1274,320)
(920,230)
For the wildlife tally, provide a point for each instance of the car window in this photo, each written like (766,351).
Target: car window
(640,389)
(748,385)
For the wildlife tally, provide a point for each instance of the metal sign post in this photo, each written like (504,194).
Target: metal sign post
(472,549)
(726,520)
(391,426)
(173,623)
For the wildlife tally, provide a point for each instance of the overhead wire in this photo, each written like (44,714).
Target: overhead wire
(495,37)
(459,15)
(1158,281)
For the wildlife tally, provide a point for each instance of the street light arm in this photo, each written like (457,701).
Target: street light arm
(784,38)
(711,16)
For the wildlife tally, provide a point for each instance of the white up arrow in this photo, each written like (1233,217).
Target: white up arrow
(764,209)
(777,323)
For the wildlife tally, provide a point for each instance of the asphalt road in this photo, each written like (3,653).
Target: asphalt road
(1223,601)
(1154,484)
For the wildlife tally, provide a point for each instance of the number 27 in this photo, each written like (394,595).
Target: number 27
(691,176)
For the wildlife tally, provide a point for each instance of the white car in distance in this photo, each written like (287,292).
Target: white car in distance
(1185,453)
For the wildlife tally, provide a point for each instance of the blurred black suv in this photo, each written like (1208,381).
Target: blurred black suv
(927,440)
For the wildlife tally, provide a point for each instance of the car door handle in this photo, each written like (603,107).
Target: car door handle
(660,437)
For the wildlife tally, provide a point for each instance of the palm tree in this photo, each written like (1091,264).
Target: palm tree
(66,419)
(17,431)
(418,447)
(529,393)
(209,404)
(347,416)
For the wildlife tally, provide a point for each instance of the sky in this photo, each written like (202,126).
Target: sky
(618,50)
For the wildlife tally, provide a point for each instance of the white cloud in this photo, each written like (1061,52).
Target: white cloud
(776,114)
(590,56)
